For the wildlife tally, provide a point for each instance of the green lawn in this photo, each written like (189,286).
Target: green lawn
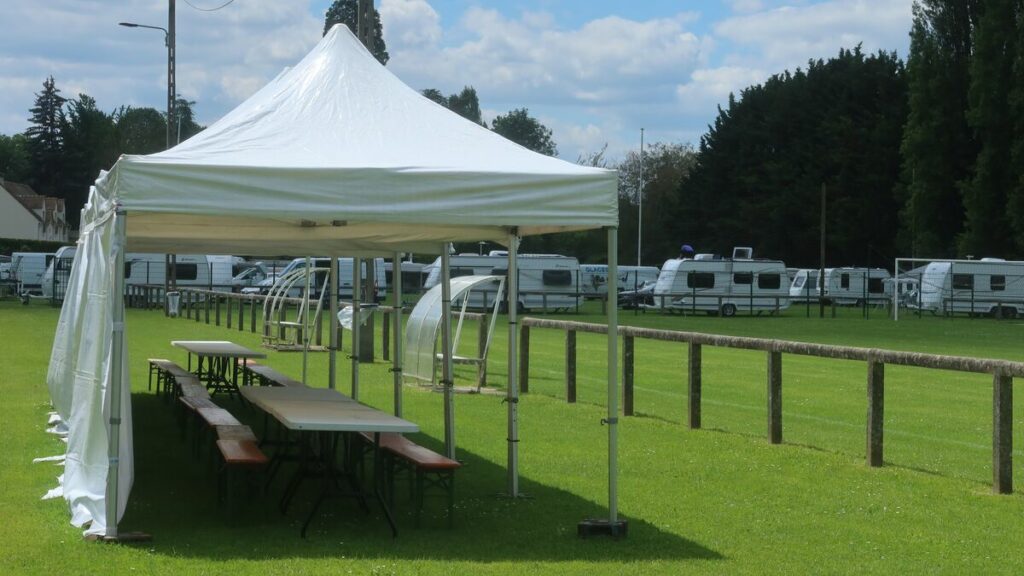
(717,500)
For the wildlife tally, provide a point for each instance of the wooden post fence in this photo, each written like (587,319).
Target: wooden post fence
(1003,372)
(524,359)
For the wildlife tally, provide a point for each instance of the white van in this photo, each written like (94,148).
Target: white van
(27,270)
(546,281)
(594,278)
(722,285)
(849,285)
(55,278)
(322,266)
(987,286)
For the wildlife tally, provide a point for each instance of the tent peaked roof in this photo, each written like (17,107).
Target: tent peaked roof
(339,139)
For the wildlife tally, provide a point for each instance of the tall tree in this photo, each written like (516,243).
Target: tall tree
(938,148)
(760,167)
(140,130)
(15,163)
(987,226)
(465,103)
(665,167)
(346,12)
(186,119)
(46,140)
(525,130)
(90,145)
(1015,200)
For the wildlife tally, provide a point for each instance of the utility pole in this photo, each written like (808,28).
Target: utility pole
(821,269)
(364,20)
(171,113)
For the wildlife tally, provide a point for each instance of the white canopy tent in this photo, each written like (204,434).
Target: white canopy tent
(336,156)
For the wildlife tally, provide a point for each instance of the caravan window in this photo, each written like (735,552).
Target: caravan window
(456,272)
(876,286)
(997,283)
(963,282)
(844,280)
(743,278)
(499,271)
(127,270)
(184,271)
(769,281)
(557,278)
(700,280)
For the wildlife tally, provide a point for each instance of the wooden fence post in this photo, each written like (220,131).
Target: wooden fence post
(524,359)
(385,338)
(1002,433)
(694,385)
(627,375)
(570,366)
(252,314)
(876,412)
(241,313)
(206,302)
(216,306)
(775,397)
(481,348)
(227,302)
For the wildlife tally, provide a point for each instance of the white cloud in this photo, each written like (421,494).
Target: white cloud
(710,87)
(410,23)
(789,36)
(744,6)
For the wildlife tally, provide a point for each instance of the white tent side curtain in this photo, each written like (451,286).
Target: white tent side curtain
(80,374)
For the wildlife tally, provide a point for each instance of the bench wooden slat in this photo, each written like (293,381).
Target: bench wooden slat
(236,432)
(415,454)
(194,403)
(242,453)
(270,375)
(217,416)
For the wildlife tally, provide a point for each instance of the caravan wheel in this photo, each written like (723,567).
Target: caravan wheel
(728,310)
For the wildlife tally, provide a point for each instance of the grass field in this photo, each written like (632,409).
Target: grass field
(717,500)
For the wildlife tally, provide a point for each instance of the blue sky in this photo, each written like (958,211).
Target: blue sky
(594,71)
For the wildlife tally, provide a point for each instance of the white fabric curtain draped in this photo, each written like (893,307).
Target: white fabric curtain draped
(79,375)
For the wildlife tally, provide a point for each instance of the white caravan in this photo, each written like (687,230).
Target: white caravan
(191,270)
(27,270)
(594,278)
(973,287)
(546,281)
(322,265)
(848,285)
(722,285)
(413,275)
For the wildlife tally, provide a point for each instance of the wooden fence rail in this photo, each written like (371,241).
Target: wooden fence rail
(1002,371)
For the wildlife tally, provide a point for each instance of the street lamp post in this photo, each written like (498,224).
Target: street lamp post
(169,42)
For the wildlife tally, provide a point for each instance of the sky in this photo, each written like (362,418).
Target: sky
(594,71)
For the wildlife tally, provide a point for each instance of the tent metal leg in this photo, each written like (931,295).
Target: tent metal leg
(357,279)
(116,379)
(446,354)
(333,352)
(611,526)
(512,393)
(396,362)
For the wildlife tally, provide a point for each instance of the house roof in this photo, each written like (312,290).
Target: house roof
(36,204)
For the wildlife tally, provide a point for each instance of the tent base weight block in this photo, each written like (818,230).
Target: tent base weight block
(128,538)
(600,527)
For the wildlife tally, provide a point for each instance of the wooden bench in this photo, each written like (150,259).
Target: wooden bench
(237,456)
(429,469)
(266,375)
(167,374)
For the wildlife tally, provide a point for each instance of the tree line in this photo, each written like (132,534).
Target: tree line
(69,141)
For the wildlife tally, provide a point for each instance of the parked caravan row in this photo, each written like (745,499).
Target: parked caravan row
(546,281)
(988,286)
(194,270)
(594,278)
(845,286)
(725,286)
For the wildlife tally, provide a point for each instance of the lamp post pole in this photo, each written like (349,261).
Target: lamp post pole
(171,90)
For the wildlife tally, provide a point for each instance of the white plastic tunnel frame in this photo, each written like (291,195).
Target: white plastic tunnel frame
(421,356)
(275,306)
(444,180)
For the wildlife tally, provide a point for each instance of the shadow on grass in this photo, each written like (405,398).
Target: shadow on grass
(174,499)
